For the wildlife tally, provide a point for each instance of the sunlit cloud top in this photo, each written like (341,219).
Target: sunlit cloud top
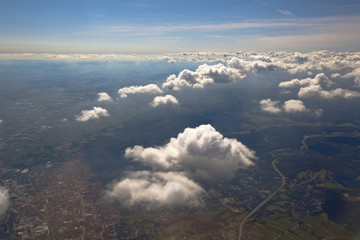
(125,27)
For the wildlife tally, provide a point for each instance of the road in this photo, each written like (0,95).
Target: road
(304,146)
(263,202)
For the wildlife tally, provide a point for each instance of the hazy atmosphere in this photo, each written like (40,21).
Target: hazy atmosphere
(179,120)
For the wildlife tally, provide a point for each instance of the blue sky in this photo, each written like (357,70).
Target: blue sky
(157,26)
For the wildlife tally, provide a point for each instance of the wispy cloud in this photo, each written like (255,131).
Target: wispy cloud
(334,33)
(340,33)
(285,12)
(138,29)
(261,2)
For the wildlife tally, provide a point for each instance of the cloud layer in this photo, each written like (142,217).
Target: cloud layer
(95,113)
(150,88)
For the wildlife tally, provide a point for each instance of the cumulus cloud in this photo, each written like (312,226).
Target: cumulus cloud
(159,189)
(103,96)
(234,66)
(203,75)
(355,74)
(4,200)
(255,64)
(289,106)
(268,105)
(150,88)
(314,88)
(164,100)
(294,106)
(201,152)
(335,75)
(316,91)
(95,113)
(237,66)
(357,81)
(235,69)
(304,63)
(320,79)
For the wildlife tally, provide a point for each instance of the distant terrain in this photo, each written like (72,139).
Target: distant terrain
(58,170)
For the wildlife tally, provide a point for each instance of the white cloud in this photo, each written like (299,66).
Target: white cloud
(290,106)
(255,64)
(243,62)
(357,81)
(294,106)
(197,153)
(268,105)
(305,63)
(238,65)
(145,30)
(320,79)
(159,189)
(164,100)
(4,200)
(201,152)
(203,75)
(312,91)
(95,113)
(355,74)
(313,87)
(318,112)
(150,88)
(285,12)
(335,75)
(103,96)
(316,91)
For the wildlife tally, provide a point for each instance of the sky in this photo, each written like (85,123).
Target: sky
(159,26)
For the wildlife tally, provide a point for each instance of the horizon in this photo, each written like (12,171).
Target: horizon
(141,27)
